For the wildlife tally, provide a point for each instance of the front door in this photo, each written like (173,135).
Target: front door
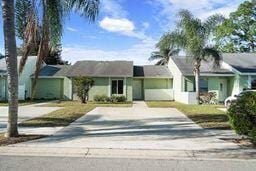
(222,90)
(137,90)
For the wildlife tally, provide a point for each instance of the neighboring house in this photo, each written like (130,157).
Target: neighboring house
(24,79)
(236,73)
(173,82)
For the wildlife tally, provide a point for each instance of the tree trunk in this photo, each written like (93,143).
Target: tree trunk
(11,63)
(197,80)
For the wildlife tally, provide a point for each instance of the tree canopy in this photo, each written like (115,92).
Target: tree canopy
(238,32)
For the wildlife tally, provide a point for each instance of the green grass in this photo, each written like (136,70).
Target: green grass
(207,116)
(23,102)
(72,110)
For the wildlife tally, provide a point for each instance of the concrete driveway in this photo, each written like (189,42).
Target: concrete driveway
(138,127)
(25,113)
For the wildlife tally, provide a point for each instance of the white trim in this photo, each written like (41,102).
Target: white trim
(109,86)
(50,77)
(152,77)
(248,73)
(213,75)
(249,81)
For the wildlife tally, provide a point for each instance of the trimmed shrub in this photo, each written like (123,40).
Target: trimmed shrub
(242,115)
(101,98)
(106,99)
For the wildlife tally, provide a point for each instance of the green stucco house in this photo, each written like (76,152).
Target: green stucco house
(149,82)
(236,73)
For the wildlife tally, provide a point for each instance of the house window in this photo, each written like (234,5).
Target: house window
(221,87)
(117,86)
(203,85)
(253,84)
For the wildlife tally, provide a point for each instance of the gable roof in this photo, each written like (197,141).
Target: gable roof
(54,71)
(243,62)
(186,67)
(101,69)
(151,71)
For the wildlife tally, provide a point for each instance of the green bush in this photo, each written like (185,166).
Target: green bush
(101,98)
(106,99)
(242,115)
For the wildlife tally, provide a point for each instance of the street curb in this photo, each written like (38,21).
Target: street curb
(127,153)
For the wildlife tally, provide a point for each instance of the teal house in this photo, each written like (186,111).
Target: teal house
(149,82)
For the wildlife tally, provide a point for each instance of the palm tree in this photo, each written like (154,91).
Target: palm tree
(43,29)
(166,50)
(11,63)
(192,35)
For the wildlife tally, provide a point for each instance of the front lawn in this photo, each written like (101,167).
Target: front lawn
(207,116)
(72,110)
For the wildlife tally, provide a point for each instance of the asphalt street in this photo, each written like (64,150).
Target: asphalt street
(19,163)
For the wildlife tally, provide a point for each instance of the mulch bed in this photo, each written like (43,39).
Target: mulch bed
(21,138)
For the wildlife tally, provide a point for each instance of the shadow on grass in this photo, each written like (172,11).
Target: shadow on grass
(211,121)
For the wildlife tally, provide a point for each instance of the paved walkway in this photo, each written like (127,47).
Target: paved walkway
(137,128)
(25,113)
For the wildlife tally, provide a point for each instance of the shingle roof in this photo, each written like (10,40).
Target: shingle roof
(54,71)
(151,71)
(102,69)
(243,62)
(186,67)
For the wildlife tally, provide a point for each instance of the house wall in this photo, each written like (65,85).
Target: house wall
(102,86)
(67,88)
(177,81)
(213,85)
(3,89)
(157,83)
(24,78)
(49,88)
(158,89)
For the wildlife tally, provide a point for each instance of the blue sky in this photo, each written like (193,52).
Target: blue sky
(128,29)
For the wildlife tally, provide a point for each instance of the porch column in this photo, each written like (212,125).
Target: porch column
(249,81)
(109,87)
(125,87)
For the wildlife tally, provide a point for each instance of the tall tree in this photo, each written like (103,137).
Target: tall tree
(192,36)
(45,23)
(238,32)
(54,57)
(11,63)
(165,51)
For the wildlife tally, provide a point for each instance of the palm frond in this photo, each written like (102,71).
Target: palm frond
(162,62)
(155,56)
(87,8)
(212,54)
(55,13)
(30,36)
(212,22)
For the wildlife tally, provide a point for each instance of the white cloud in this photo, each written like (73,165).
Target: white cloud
(71,29)
(113,8)
(167,9)
(139,53)
(121,25)
(145,25)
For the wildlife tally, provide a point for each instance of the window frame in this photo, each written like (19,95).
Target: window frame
(117,86)
(203,89)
